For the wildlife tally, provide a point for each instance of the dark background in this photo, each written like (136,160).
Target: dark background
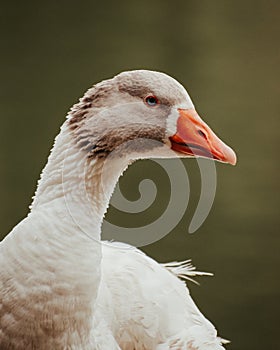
(227,55)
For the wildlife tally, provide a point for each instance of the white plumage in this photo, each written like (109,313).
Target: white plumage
(61,288)
(150,304)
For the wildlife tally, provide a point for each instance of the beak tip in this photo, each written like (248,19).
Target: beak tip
(230,157)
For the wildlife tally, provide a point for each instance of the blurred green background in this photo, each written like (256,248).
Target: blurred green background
(227,55)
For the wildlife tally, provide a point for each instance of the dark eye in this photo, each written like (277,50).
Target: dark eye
(151,100)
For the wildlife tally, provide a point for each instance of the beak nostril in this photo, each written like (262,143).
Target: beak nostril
(201,133)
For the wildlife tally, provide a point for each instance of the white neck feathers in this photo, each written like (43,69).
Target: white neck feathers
(76,186)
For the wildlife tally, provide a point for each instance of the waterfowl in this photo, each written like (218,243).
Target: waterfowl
(60,286)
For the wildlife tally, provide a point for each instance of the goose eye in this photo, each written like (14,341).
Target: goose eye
(151,101)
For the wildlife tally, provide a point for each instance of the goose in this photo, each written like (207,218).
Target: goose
(61,287)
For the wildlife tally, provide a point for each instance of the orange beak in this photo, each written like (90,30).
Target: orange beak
(195,138)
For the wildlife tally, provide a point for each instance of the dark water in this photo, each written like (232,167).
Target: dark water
(227,55)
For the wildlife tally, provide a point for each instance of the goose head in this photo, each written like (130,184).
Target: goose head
(141,114)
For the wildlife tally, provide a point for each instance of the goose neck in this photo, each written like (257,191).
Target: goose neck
(76,186)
